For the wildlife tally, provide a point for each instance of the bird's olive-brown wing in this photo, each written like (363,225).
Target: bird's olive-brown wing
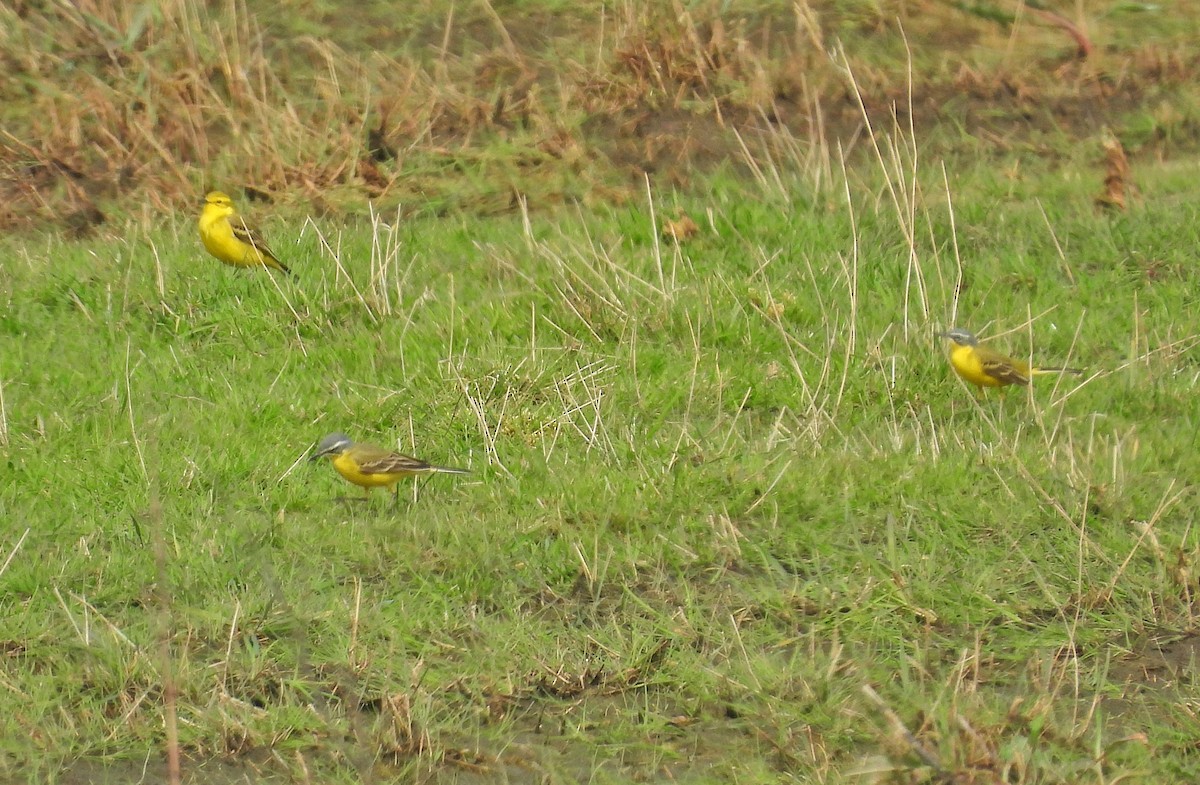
(251,236)
(374,460)
(1004,369)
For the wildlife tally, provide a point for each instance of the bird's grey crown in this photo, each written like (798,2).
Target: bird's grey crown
(333,442)
(961,336)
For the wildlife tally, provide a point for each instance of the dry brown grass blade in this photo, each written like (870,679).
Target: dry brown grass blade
(680,229)
(910,739)
(1082,42)
(1117,180)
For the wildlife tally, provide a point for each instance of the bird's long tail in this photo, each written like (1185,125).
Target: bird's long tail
(448,470)
(1056,369)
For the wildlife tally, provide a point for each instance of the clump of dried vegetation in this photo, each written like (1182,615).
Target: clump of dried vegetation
(125,107)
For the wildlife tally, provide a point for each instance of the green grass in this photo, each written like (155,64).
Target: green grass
(719,488)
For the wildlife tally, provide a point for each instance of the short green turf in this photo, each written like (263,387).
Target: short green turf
(718,488)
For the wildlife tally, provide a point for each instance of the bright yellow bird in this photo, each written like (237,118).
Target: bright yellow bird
(231,239)
(370,467)
(984,367)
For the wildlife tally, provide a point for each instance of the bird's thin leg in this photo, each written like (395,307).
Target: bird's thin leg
(422,482)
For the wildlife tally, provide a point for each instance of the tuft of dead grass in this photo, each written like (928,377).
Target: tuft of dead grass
(115,108)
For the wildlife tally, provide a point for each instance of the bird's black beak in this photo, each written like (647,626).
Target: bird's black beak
(316,456)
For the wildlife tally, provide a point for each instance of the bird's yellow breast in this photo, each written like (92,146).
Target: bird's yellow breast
(969,366)
(348,468)
(217,235)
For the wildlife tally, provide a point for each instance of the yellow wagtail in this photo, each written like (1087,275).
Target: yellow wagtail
(984,367)
(370,467)
(230,239)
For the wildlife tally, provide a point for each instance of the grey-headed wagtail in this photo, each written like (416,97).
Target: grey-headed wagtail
(984,367)
(368,466)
